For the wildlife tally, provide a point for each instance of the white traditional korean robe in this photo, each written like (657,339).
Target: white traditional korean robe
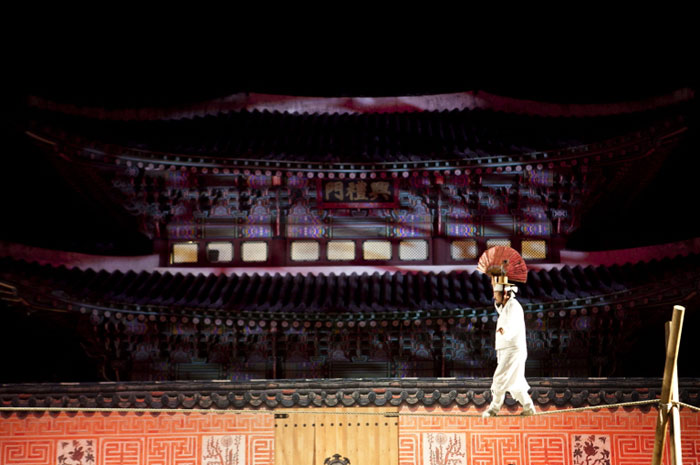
(511,350)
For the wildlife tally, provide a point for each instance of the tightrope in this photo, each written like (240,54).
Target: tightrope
(330,412)
(683,404)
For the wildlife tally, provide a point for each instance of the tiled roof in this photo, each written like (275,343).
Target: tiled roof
(310,295)
(333,138)
(262,394)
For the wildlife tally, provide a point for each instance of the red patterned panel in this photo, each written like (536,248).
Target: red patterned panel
(625,421)
(50,425)
(13,426)
(551,449)
(176,439)
(121,425)
(557,422)
(429,423)
(29,452)
(588,421)
(690,443)
(408,447)
(633,448)
(502,447)
(75,425)
(116,451)
(131,438)
(690,421)
(262,450)
(455,423)
(626,436)
(172,451)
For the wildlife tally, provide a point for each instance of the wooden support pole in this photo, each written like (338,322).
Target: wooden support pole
(674,429)
(669,373)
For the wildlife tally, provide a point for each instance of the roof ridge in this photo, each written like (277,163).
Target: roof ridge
(470,100)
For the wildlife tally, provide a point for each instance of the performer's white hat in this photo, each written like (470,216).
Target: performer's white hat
(500,283)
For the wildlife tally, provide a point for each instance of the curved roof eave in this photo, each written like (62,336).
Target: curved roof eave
(359,105)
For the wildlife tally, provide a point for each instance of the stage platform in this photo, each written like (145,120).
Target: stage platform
(425,421)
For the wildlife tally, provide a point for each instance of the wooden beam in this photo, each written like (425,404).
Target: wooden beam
(674,427)
(666,388)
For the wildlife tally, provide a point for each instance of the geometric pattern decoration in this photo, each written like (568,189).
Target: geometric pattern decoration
(185,252)
(413,250)
(305,251)
(461,230)
(604,437)
(115,451)
(496,242)
(534,250)
(19,451)
(220,251)
(176,450)
(254,251)
(612,437)
(376,250)
(534,229)
(341,250)
(464,250)
(137,439)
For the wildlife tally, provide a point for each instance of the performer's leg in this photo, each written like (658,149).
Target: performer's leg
(498,392)
(497,398)
(524,398)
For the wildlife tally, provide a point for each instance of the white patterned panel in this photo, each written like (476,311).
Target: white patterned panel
(444,448)
(591,448)
(75,452)
(224,450)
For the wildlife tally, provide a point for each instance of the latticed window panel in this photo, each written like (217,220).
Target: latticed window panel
(464,250)
(376,250)
(304,251)
(534,250)
(341,250)
(496,242)
(219,251)
(413,250)
(219,230)
(254,251)
(185,252)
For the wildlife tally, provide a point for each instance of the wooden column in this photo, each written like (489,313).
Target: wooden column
(666,389)
(674,429)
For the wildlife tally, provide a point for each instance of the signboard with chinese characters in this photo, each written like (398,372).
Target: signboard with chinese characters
(358,193)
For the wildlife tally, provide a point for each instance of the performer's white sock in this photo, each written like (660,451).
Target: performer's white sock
(497,398)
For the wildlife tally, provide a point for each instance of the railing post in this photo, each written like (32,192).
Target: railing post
(666,389)
(674,429)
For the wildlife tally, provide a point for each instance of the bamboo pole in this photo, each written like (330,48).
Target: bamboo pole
(674,429)
(666,391)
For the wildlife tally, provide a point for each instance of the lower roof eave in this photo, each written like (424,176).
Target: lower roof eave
(350,392)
